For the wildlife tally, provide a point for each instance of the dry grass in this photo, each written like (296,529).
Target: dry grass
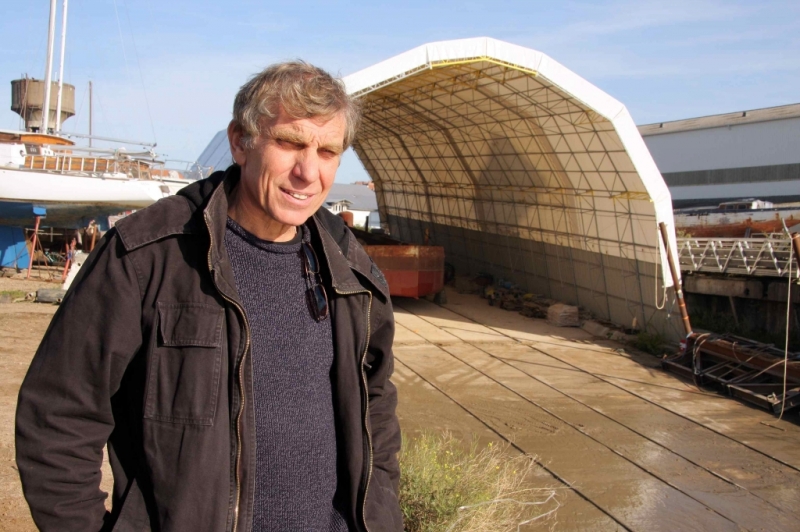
(446,486)
(13,294)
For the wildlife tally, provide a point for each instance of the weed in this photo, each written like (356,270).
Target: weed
(652,343)
(13,294)
(446,486)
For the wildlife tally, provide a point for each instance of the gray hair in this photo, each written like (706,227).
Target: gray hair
(301,90)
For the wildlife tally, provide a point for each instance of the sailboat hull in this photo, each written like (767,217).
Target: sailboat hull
(72,200)
(43,187)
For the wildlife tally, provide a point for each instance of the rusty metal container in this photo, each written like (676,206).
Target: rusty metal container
(347,216)
(410,271)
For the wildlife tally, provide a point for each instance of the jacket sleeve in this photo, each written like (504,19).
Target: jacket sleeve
(385,427)
(64,415)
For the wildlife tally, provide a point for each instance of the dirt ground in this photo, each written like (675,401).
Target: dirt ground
(625,445)
(22,326)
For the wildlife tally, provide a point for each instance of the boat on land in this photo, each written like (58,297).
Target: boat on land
(49,176)
(737,219)
(47,180)
(45,176)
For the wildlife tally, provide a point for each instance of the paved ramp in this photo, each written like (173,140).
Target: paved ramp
(628,446)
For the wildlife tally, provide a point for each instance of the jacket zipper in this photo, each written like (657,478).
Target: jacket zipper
(365,391)
(237,465)
(365,398)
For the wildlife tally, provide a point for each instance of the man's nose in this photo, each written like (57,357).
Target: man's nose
(307,165)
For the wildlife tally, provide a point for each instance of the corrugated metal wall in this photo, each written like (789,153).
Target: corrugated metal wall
(715,164)
(771,143)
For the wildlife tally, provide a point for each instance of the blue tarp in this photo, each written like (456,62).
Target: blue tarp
(13,251)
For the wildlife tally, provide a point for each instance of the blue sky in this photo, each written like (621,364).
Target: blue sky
(167,71)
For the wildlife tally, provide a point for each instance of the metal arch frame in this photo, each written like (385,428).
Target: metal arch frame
(568,118)
(442,64)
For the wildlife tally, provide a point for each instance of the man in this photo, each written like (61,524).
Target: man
(232,344)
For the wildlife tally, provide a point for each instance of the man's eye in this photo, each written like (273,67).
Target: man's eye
(288,144)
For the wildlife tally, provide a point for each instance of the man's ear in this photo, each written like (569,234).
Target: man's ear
(235,138)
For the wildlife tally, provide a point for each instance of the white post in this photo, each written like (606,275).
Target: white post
(61,66)
(48,75)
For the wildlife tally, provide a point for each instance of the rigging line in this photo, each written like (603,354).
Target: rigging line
(122,44)
(41,53)
(514,445)
(578,429)
(108,123)
(121,40)
(759,451)
(788,319)
(80,109)
(141,74)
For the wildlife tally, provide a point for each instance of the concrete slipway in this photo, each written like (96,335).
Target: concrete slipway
(628,446)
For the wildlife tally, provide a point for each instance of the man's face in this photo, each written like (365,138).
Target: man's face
(287,174)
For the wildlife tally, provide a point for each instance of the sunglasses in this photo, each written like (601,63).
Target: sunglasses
(315,295)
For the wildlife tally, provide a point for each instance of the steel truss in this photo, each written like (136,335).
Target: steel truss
(762,257)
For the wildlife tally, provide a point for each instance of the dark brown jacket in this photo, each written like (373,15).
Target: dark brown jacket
(149,352)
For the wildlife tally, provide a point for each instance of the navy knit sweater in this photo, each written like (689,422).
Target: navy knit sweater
(292,355)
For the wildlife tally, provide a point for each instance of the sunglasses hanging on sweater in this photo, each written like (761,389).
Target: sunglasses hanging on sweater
(316,296)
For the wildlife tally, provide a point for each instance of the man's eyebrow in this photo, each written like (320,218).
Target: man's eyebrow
(335,148)
(296,137)
(288,135)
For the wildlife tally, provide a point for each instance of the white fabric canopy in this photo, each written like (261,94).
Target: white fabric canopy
(486,147)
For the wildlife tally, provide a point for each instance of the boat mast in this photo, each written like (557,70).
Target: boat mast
(90,114)
(61,66)
(48,73)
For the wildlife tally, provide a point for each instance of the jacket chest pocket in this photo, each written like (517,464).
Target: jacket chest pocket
(185,364)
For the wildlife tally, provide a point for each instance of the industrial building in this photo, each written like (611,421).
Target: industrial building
(714,159)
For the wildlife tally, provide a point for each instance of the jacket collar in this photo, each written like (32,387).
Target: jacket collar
(215,213)
(202,208)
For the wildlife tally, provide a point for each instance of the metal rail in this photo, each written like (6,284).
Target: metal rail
(80,165)
(63,164)
(763,257)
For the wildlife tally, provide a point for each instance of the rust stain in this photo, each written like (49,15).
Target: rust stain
(737,229)
(731,224)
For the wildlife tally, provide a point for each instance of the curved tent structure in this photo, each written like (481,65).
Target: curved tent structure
(519,168)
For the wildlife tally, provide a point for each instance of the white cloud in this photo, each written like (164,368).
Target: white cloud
(627,16)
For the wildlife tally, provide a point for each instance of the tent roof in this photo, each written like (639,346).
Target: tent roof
(487,135)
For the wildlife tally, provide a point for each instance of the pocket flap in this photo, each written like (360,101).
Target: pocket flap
(189,324)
